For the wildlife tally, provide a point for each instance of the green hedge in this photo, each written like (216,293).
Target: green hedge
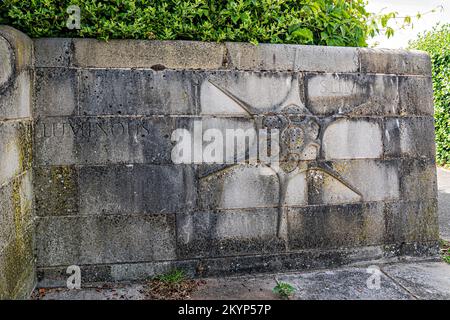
(320,22)
(437,44)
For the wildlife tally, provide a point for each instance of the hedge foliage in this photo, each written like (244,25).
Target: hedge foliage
(320,22)
(437,44)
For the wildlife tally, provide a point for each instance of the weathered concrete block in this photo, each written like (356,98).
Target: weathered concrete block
(16,202)
(54,141)
(138,92)
(228,232)
(240,93)
(136,189)
(353,94)
(412,249)
(364,180)
(411,221)
(105,239)
(147,54)
(56,92)
(242,186)
(6,61)
(17,278)
(245,56)
(394,61)
(15,149)
(56,190)
(336,226)
(411,137)
(294,189)
(22,46)
(325,187)
(53,52)
(92,140)
(234,146)
(353,139)
(391,137)
(418,179)
(417,137)
(300,260)
(16,100)
(16,74)
(416,96)
(296,192)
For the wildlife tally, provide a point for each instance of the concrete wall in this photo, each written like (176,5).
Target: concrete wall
(17,262)
(110,199)
(356,180)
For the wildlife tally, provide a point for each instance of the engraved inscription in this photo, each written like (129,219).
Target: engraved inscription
(91,128)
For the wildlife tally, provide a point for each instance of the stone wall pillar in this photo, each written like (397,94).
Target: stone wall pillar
(17,269)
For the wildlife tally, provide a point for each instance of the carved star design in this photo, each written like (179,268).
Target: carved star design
(300,144)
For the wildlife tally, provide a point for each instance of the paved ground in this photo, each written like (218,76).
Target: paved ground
(444,202)
(403,281)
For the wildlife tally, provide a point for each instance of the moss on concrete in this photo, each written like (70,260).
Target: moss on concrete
(16,263)
(25,144)
(56,190)
(17,268)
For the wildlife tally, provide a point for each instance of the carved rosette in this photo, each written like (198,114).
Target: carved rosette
(299,139)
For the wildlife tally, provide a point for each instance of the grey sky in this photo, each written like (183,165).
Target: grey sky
(409,7)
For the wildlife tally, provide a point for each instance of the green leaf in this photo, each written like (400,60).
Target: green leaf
(303,33)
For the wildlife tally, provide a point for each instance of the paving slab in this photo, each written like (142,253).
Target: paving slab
(239,288)
(344,284)
(426,281)
(443,178)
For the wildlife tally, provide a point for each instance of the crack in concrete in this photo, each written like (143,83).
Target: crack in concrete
(399,284)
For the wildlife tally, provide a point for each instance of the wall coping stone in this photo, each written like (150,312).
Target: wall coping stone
(181,54)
